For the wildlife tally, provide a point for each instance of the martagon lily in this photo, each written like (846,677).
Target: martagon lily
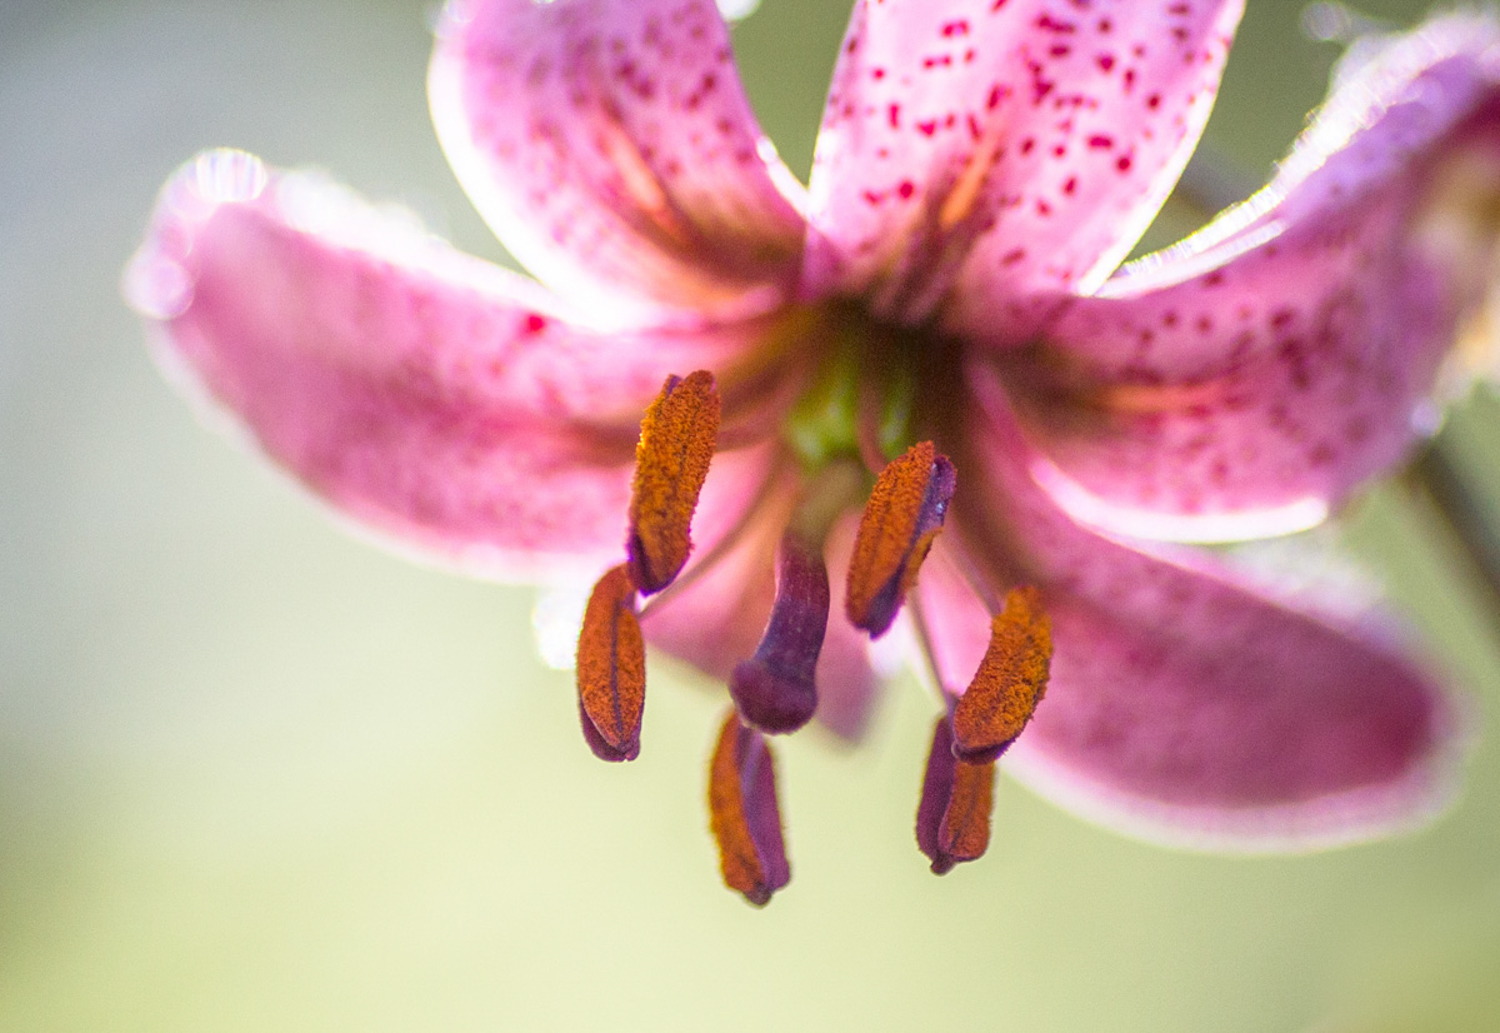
(927,360)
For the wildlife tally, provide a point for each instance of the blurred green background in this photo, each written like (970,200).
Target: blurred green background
(256,775)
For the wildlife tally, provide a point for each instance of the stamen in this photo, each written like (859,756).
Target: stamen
(1009,683)
(774,689)
(744,815)
(612,670)
(953,818)
(671,463)
(902,518)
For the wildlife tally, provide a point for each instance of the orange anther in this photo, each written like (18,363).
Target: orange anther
(743,813)
(671,463)
(901,519)
(953,819)
(964,834)
(612,669)
(1010,681)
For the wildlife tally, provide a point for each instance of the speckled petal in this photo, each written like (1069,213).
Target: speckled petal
(611,147)
(1182,706)
(1003,154)
(440,402)
(1248,380)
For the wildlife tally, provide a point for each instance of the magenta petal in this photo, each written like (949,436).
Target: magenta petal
(848,687)
(611,147)
(1184,707)
(1248,380)
(1004,152)
(436,399)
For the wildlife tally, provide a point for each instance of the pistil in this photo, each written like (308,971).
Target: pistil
(774,689)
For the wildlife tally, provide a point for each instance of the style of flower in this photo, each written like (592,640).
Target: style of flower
(926,360)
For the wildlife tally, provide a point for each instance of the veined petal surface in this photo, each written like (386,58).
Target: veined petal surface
(1183,707)
(610,145)
(1247,380)
(438,400)
(1003,154)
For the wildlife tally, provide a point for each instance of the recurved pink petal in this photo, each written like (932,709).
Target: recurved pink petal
(1245,381)
(1183,706)
(611,147)
(1002,155)
(441,402)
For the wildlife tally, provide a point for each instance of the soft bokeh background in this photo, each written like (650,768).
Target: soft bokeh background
(256,775)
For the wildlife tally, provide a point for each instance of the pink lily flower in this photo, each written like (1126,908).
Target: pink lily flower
(934,336)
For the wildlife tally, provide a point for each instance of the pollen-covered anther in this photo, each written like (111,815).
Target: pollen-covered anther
(775,689)
(612,669)
(1010,681)
(953,818)
(902,518)
(744,815)
(671,464)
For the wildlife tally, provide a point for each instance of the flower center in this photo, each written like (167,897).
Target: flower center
(864,396)
(859,409)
